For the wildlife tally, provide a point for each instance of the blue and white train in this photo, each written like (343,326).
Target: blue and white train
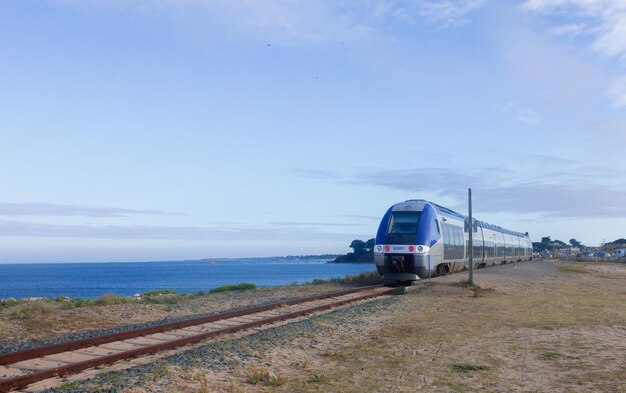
(417,239)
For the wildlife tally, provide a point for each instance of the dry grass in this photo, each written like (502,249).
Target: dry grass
(32,310)
(111,298)
(255,375)
(6,330)
(559,328)
(561,333)
(573,268)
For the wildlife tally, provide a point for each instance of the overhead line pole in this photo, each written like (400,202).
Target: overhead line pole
(471,238)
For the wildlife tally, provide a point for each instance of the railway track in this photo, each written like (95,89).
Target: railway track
(22,368)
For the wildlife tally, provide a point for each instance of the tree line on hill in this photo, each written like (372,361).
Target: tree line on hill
(363,252)
(546,244)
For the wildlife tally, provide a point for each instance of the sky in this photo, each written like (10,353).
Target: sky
(168,130)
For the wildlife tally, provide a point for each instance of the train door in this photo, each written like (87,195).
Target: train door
(504,247)
(482,246)
(495,249)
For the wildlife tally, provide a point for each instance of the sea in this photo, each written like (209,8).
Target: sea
(91,280)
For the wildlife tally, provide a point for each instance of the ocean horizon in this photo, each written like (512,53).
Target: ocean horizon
(93,279)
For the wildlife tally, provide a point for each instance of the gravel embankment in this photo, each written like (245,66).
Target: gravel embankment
(194,308)
(228,354)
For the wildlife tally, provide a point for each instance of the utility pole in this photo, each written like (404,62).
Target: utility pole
(471,238)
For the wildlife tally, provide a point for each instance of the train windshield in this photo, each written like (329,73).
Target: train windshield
(404,223)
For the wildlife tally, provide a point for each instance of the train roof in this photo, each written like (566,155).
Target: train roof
(445,211)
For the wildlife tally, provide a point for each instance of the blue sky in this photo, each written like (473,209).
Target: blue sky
(160,130)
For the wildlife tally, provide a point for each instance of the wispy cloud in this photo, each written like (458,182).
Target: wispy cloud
(604,20)
(565,192)
(60,210)
(520,113)
(448,13)
(316,173)
(538,185)
(618,91)
(361,217)
(288,231)
(294,224)
(298,22)
(572,29)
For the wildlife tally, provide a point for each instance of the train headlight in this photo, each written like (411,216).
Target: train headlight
(419,249)
(411,248)
(387,248)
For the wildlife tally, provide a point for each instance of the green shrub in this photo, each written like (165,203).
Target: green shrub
(234,287)
(78,302)
(255,375)
(166,299)
(318,378)
(68,387)
(160,292)
(365,278)
(111,298)
(9,303)
(30,310)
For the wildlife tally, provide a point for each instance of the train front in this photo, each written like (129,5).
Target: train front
(404,241)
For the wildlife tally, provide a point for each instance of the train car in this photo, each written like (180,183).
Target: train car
(417,239)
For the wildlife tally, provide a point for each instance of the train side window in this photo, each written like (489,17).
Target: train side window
(446,241)
(458,237)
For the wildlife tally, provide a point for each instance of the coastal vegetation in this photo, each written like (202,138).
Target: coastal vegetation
(547,244)
(235,287)
(110,298)
(72,317)
(160,292)
(29,311)
(362,252)
(365,278)
(28,308)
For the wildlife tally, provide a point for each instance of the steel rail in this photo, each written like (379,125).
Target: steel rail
(22,381)
(33,353)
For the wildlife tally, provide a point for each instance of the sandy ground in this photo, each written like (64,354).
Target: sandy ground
(532,328)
